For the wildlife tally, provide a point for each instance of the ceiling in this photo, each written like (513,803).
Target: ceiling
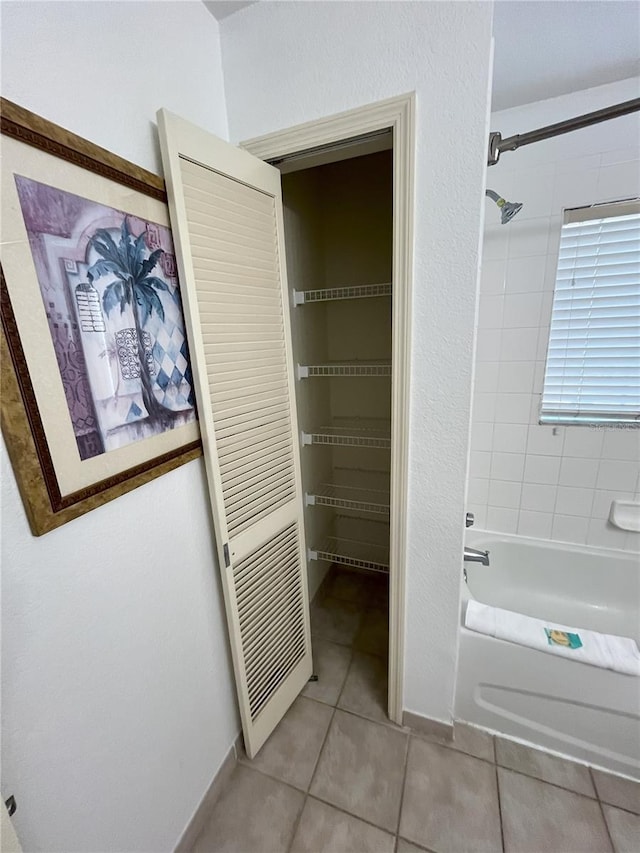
(546,48)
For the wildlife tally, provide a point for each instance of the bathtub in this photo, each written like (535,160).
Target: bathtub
(588,713)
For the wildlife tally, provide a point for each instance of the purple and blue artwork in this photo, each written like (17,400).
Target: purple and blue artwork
(110,290)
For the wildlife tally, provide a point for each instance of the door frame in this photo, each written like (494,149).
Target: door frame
(397,113)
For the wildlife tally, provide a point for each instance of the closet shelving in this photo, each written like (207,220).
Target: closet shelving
(328,294)
(357,543)
(374,433)
(355,490)
(354,368)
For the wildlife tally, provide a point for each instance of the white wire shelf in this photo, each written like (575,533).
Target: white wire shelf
(357,543)
(352,432)
(354,489)
(361,291)
(354,368)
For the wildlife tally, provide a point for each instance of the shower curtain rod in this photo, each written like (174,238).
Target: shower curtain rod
(497,144)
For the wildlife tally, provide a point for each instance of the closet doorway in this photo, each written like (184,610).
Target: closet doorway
(347,186)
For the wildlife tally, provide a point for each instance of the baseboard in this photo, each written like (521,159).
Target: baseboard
(427,726)
(205,807)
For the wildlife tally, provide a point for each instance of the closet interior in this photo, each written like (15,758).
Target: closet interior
(339,235)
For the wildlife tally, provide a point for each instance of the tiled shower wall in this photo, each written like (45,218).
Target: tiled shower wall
(543,481)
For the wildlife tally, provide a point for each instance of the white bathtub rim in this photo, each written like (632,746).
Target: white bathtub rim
(477,537)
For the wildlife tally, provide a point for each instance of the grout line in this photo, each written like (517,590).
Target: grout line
(606,826)
(342,810)
(500,807)
(297,823)
(405,764)
(321,750)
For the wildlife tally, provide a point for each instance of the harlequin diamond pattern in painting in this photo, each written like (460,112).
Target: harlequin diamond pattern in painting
(173,388)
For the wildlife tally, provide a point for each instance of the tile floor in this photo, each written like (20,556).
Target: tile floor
(337,776)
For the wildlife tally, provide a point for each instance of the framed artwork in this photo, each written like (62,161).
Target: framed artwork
(97,392)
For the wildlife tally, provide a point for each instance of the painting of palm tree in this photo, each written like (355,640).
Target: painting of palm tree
(134,286)
(111,295)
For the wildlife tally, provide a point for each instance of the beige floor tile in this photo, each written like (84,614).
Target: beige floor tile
(450,801)
(361,768)
(373,636)
(467,739)
(335,620)
(346,586)
(365,690)
(255,814)
(542,765)
(618,791)
(323,829)
(291,752)
(331,664)
(539,817)
(624,829)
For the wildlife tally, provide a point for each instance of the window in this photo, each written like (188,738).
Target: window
(593,361)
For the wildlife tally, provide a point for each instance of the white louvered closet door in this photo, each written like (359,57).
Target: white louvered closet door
(226,215)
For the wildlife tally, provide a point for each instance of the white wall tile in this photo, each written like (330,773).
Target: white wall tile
(484,408)
(528,237)
(574,501)
(479,463)
(486,378)
(541,440)
(604,535)
(507,466)
(578,472)
(535,189)
(583,441)
(504,494)
(502,520)
(488,345)
(496,240)
(490,312)
(492,276)
(619,181)
(570,528)
(620,155)
(542,469)
(574,189)
(482,436)
(526,275)
(512,408)
(621,444)
(602,501)
(510,438)
(522,310)
(538,497)
(519,344)
(478,491)
(535,524)
(617,475)
(516,376)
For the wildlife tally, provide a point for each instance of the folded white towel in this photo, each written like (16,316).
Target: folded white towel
(604,650)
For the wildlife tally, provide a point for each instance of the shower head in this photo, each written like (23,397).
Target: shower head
(508,208)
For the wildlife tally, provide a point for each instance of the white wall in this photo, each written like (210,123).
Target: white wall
(286,63)
(524,478)
(118,704)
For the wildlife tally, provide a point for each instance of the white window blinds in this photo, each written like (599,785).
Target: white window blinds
(593,360)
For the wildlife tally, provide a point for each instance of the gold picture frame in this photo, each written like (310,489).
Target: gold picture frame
(27,424)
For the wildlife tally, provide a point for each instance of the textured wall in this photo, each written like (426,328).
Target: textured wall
(117,698)
(526,478)
(286,63)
